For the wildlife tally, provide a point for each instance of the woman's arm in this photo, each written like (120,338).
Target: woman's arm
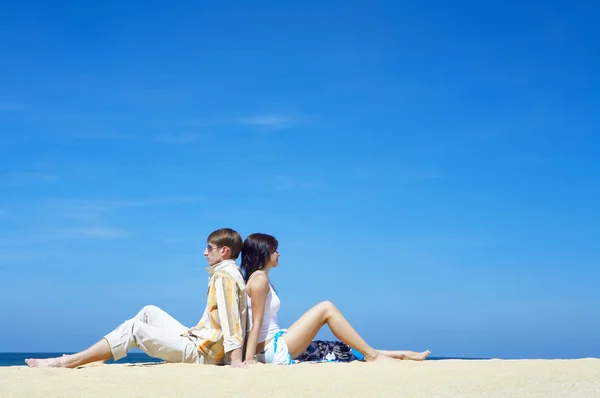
(257,291)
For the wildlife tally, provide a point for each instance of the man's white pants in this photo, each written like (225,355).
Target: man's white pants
(157,333)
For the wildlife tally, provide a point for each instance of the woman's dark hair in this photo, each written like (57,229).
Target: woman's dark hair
(256,253)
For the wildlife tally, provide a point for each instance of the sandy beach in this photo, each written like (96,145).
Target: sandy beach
(447,378)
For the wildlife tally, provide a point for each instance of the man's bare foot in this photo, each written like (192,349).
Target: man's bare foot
(58,362)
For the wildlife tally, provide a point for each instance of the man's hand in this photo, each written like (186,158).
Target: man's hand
(236,358)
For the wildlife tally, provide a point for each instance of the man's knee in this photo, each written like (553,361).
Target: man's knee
(151,308)
(147,313)
(137,330)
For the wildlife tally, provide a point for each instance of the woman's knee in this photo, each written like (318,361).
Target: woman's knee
(327,307)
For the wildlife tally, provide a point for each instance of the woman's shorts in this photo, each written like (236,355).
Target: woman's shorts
(276,352)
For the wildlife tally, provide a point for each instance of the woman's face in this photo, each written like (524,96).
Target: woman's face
(274,259)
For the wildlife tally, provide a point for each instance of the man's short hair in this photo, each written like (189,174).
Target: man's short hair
(227,237)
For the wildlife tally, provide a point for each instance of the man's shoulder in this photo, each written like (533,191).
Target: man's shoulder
(222,274)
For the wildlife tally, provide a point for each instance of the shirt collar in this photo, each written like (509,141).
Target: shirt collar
(221,266)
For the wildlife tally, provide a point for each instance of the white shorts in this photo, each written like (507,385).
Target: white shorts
(276,352)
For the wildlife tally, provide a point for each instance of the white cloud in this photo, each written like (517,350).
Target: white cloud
(275,121)
(429,176)
(10,106)
(286,183)
(106,205)
(266,120)
(104,135)
(183,239)
(75,219)
(101,211)
(17,256)
(442,241)
(82,216)
(27,176)
(178,138)
(107,233)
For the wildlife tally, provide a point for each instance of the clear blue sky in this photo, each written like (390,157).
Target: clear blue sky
(431,167)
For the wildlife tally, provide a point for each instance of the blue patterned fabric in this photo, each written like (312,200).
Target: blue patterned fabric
(329,351)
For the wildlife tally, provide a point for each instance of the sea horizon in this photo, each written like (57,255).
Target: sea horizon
(18,358)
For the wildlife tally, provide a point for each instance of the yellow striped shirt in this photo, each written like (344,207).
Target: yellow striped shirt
(223,325)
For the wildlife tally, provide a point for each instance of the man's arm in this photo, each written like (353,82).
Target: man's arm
(230,320)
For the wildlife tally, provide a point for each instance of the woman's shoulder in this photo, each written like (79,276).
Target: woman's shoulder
(259,280)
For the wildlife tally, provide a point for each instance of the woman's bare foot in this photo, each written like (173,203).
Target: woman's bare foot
(375,356)
(419,356)
(405,355)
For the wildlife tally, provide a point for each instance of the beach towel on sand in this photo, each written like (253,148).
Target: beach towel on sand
(329,351)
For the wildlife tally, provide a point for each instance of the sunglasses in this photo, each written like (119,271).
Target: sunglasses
(210,248)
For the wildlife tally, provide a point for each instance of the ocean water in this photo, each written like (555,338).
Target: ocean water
(18,358)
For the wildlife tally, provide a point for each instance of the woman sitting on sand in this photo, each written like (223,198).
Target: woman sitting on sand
(266,341)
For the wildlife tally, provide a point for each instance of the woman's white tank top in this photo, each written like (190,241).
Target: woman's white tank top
(270,324)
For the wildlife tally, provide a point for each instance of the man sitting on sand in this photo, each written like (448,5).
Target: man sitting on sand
(216,339)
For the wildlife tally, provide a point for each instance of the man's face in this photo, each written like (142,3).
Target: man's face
(214,254)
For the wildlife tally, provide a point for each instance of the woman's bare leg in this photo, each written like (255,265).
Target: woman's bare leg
(406,355)
(304,330)
(98,352)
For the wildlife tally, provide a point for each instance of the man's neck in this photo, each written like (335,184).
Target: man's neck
(221,264)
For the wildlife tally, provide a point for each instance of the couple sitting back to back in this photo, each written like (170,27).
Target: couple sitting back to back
(233,301)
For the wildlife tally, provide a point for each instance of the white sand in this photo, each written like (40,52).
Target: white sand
(449,378)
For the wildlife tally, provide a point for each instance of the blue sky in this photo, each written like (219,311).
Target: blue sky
(430,167)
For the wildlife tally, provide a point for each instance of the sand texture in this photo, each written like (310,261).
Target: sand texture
(447,378)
